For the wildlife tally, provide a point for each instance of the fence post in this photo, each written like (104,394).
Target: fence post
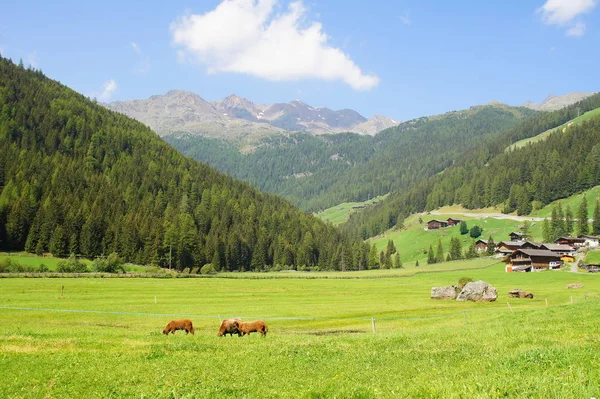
(571,300)
(373,325)
(510,307)
(546,302)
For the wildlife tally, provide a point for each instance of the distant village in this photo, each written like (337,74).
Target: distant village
(521,255)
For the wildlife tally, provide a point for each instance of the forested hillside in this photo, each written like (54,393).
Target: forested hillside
(567,162)
(316,172)
(78,178)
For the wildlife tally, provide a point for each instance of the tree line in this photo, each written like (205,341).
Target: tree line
(317,172)
(518,180)
(76,178)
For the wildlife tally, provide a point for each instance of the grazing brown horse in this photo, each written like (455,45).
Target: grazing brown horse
(175,325)
(253,326)
(230,326)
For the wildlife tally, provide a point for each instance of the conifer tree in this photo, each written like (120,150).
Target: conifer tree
(547,231)
(430,255)
(596,221)
(568,221)
(439,256)
(582,218)
(397,261)
(491,247)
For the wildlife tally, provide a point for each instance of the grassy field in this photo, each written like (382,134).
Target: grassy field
(339,214)
(544,135)
(573,201)
(593,257)
(413,240)
(31,260)
(103,338)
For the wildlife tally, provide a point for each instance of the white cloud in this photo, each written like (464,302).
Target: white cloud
(405,19)
(108,89)
(564,13)
(135,47)
(143,65)
(576,30)
(249,36)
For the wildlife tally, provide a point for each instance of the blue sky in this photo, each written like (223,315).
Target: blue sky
(402,59)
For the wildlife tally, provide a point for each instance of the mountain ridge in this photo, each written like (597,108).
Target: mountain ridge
(185,111)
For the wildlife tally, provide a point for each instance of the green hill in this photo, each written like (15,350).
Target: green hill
(78,178)
(521,180)
(318,172)
(544,135)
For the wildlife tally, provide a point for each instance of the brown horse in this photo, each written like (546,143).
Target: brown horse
(253,326)
(230,326)
(175,325)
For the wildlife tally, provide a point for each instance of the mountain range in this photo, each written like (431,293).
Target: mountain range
(553,103)
(235,117)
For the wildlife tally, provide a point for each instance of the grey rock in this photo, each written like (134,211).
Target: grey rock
(478,291)
(449,292)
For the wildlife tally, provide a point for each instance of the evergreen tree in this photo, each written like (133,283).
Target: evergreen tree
(491,247)
(596,221)
(373,259)
(475,231)
(547,231)
(464,229)
(568,221)
(417,263)
(582,218)
(455,248)
(397,261)
(439,256)
(431,256)
(391,248)
(471,252)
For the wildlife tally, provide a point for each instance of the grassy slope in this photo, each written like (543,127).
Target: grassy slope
(573,201)
(544,135)
(413,240)
(422,348)
(339,214)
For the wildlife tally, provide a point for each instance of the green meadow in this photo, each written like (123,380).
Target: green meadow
(544,135)
(339,214)
(413,240)
(101,338)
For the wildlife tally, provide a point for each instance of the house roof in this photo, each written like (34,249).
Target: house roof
(483,241)
(515,233)
(575,239)
(538,252)
(589,237)
(436,220)
(511,243)
(556,247)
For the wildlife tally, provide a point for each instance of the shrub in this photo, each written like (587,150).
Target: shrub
(71,265)
(42,268)
(208,269)
(111,264)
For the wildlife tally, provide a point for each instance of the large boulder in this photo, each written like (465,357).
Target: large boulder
(574,285)
(478,291)
(519,293)
(444,292)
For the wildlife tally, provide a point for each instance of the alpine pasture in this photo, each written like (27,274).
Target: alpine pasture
(99,337)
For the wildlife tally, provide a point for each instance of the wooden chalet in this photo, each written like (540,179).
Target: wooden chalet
(560,249)
(514,236)
(435,224)
(453,222)
(574,242)
(481,245)
(533,260)
(590,241)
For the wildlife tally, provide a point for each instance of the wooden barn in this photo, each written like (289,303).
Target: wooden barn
(537,259)
(575,242)
(514,236)
(435,224)
(481,245)
(453,222)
